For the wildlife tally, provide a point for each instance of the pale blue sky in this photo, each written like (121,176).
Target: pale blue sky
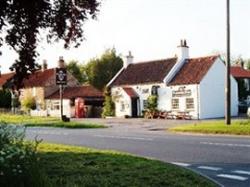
(151,29)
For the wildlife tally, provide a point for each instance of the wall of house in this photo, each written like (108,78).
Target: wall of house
(53,108)
(184,94)
(212,93)
(123,106)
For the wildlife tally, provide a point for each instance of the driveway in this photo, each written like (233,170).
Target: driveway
(224,159)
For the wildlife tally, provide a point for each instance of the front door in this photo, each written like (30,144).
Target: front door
(134,107)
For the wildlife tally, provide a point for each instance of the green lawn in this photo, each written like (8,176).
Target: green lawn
(74,166)
(238,127)
(30,121)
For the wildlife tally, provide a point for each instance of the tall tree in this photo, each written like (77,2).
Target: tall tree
(101,70)
(25,20)
(77,70)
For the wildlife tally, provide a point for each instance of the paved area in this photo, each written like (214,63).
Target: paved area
(222,158)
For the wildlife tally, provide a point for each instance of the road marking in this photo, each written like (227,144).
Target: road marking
(241,172)
(209,168)
(181,164)
(235,177)
(124,137)
(226,144)
(49,133)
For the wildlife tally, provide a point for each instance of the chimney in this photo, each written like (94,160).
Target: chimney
(61,63)
(44,65)
(129,60)
(183,50)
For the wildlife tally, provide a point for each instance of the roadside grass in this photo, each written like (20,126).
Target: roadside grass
(30,121)
(238,127)
(77,166)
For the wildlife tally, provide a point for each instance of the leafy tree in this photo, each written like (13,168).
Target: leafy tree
(77,70)
(26,21)
(109,105)
(5,99)
(101,70)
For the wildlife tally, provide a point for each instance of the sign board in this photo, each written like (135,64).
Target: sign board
(61,76)
(181,92)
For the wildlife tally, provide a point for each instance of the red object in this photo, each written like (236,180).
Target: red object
(131,93)
(79,108)
(239,72)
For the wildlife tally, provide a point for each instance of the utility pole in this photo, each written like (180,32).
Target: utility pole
(61,100)
(228,82)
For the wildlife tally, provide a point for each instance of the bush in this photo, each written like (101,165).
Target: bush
(19,164)
(28,103)
(152,101)
(109,105)
(5,99)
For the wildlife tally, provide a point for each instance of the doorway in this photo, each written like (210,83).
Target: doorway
(134,107)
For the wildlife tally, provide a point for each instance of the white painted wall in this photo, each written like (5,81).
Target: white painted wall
(119,96)
(57,113)
(212,94)
(182,100)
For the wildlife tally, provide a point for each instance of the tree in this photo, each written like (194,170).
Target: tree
(77,70)
(26,21)
(101,70)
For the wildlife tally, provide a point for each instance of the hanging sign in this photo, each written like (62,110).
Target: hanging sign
(61,76)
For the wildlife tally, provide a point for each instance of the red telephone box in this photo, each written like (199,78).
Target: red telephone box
(79,108)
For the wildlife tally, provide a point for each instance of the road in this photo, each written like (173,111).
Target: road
(225,159)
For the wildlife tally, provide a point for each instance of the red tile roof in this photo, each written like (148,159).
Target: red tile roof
(5,77)
(131,93)
(145,72)
(193,71)
(85,91)
(39,78)
(239,72)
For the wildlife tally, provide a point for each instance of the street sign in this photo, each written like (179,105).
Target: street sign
(61,76)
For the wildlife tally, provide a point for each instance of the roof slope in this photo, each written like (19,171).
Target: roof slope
(5,77)
(39,78)
(239,72)
(130,91)
(145,72)
(85,91)
(193,71)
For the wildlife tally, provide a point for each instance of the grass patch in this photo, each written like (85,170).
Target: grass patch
(76,166)
(238,127)
(31,121)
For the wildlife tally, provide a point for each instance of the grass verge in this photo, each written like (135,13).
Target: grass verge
(31,121)
(76,166)
(238,127)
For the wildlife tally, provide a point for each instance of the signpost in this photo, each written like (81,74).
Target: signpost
(61,79)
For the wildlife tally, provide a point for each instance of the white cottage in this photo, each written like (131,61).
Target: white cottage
(183,84)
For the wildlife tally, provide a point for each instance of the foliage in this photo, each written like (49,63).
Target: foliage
(152,102)
(28,103)
(5,99)
(101,70)
(78,166)
(30,121)
(109,105)
(19,164)
(25,23)
(77,70)
(238,127)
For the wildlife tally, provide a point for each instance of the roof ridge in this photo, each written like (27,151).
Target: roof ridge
(209,56)
(150,61)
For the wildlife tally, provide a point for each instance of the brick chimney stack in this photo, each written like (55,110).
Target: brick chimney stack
(61,63)
(44,65)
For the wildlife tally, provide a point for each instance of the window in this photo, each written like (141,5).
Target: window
(122,106)
(55,105)
(189,103)
(175,103)
(145,104)
(145,91)
(154,90)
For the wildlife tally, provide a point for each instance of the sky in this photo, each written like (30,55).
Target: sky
(152,29)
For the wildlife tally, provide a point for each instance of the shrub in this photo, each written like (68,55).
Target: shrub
(5,99)
(19,164)
(109,106)
(28,103)
(152,101)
